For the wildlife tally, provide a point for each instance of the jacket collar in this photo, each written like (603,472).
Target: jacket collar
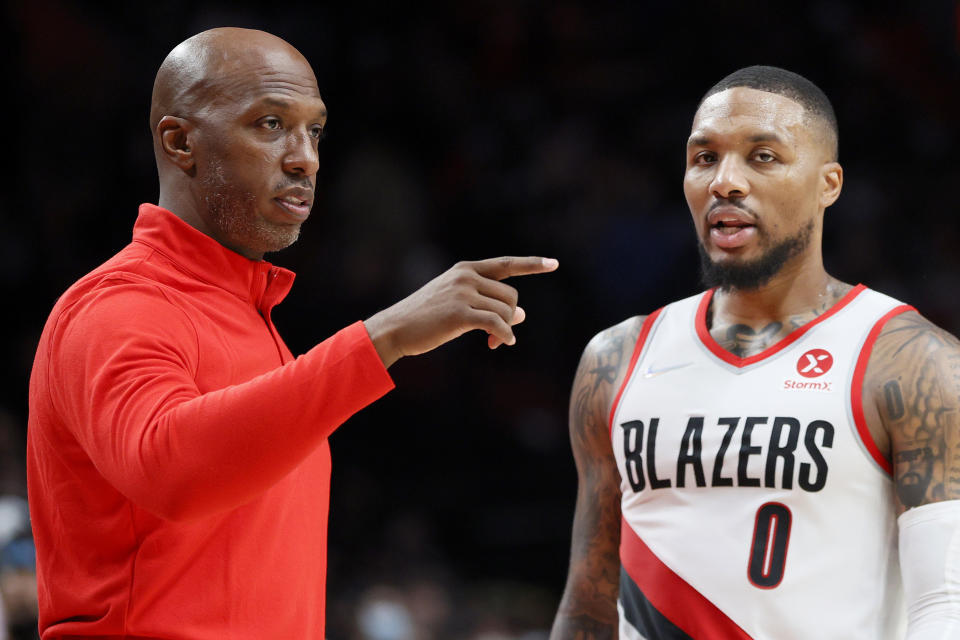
(257,281)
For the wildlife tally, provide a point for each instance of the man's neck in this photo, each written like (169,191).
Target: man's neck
(745,322)
(185,209)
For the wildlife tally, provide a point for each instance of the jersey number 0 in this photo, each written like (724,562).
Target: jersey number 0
(768,552)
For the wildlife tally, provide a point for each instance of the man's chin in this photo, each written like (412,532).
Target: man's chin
(731,258)
(744,272)
(280,238)
(263,239)
(730,275)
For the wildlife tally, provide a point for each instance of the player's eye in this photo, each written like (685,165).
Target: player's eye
(764,156)
(272,124)
(317,132)
(704,157)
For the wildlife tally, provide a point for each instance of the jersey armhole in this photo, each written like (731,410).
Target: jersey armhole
(856,388)
(637,350)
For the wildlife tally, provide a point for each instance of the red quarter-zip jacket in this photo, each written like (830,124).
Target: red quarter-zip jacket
(177,458)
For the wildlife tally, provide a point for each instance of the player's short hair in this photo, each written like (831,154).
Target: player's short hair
(788,84)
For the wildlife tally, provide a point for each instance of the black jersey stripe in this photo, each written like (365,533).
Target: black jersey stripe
(642,615)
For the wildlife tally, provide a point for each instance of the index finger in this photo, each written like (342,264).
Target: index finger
(507,266)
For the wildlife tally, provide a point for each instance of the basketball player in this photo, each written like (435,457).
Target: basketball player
(178,463)
(748,457)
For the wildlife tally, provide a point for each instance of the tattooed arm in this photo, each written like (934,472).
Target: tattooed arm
(912,406)
(913,383)
(588,610)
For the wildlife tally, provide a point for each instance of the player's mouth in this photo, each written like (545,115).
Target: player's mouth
(296,202)
(730,227)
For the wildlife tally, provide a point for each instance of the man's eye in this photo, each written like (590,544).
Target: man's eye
(704,157)
(317,133)
(271,123)
(764,156)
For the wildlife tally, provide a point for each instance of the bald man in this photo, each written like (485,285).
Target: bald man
(178,463)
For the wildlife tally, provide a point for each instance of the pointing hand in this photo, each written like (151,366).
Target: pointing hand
(469,295)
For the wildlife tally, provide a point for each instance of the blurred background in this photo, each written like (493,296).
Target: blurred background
(465,130)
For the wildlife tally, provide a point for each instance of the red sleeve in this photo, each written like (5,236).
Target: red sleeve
(121,376)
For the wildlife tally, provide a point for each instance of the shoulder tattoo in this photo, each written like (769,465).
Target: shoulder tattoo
(601,369)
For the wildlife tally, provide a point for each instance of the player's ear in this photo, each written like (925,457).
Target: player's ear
(175,136)
(831,181)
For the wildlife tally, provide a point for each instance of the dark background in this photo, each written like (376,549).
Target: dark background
(459,131)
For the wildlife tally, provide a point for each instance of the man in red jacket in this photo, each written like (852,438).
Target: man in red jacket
(174,441)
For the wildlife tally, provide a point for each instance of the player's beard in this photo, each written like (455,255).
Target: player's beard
(753,274)
(234,211)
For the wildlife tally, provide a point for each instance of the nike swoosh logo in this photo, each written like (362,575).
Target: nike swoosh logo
(651,372)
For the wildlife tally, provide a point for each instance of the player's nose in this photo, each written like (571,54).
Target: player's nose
(730,179)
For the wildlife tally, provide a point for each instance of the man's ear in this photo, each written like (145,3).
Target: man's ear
(175,136)
(832,174)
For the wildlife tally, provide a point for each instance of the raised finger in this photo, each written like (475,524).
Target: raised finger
(507,266)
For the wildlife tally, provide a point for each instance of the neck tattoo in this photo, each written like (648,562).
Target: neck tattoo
(744,340)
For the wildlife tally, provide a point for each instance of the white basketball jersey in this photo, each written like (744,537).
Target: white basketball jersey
(755,503)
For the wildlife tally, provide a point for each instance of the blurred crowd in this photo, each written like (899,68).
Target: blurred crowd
(18,576)
(466,130)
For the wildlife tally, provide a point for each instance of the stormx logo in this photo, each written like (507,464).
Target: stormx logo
(812,364)
(811,385)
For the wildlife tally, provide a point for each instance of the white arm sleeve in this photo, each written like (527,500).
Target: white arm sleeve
(930,564)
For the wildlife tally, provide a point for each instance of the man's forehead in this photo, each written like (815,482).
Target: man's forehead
(248,86)
(744,109)
(260,72)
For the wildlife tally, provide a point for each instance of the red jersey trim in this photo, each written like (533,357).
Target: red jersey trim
(671,595)
(637,350)
(856,388)
(704,333)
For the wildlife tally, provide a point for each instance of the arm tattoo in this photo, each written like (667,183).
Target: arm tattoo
(608,361)
(894,400)
(916,386)
(588,609)
(914,470)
